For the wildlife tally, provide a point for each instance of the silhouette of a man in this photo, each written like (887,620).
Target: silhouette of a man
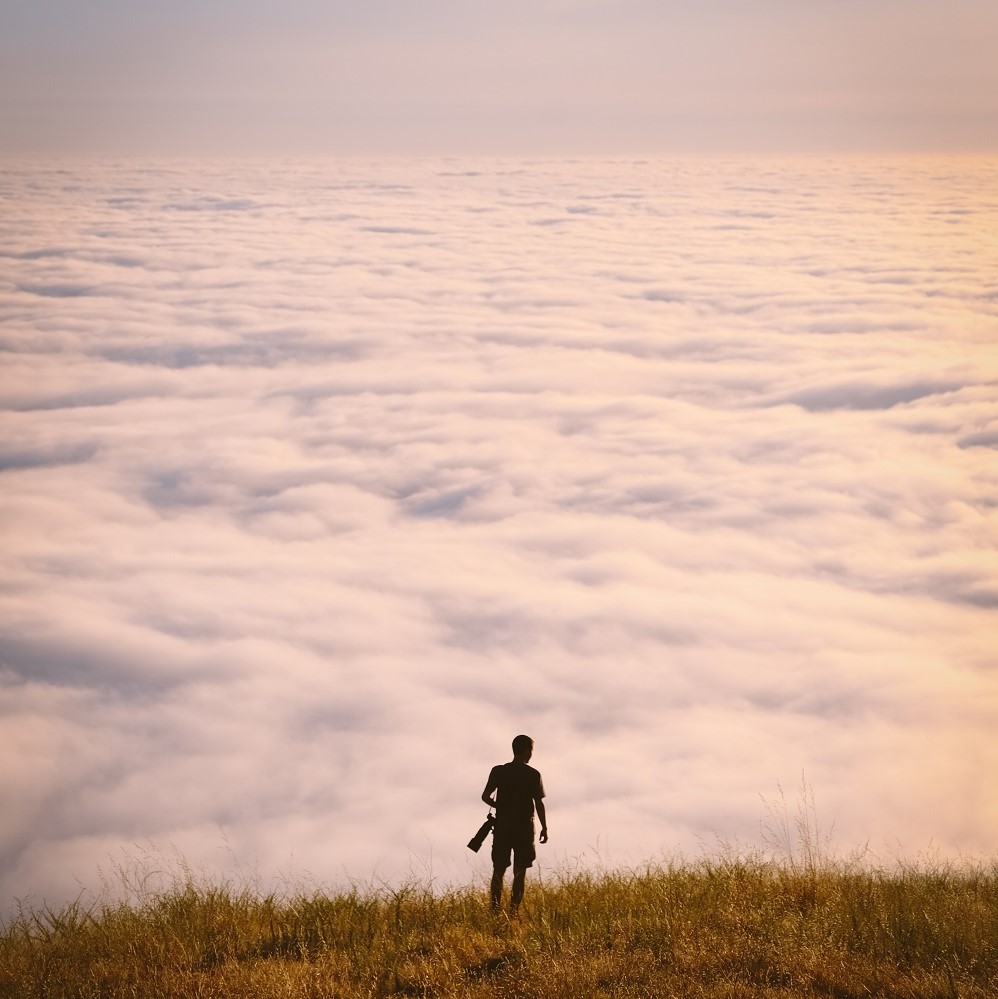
(515,790)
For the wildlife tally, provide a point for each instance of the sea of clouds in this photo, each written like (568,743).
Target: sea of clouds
(320,480)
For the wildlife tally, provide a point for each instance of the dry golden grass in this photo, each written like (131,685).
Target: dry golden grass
(738,928)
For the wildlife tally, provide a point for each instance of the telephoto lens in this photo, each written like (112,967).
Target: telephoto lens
(476,841)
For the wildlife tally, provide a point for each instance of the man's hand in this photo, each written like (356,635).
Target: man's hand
(544,834)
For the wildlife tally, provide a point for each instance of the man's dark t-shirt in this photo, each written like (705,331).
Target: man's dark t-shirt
(517,785)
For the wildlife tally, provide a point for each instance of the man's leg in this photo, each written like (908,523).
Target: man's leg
(498,873)
(519,877)
(524,854)
(502,849)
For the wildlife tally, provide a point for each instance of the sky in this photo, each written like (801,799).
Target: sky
(522,77)
(322,479)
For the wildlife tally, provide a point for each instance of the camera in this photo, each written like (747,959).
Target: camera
(476,841)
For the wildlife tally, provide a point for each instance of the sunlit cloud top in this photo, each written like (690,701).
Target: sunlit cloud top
(576,76)
(321,480)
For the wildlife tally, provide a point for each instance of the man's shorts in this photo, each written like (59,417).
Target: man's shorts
(517,840)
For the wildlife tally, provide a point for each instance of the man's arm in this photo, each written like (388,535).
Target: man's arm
(539,806)
(489,788)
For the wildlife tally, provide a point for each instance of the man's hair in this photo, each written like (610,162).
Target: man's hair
(521,744)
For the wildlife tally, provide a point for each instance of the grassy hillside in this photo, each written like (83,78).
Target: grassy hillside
(736,928)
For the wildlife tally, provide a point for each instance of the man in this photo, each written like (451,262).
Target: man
(518,792)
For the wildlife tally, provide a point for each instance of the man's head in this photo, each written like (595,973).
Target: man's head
(523,748)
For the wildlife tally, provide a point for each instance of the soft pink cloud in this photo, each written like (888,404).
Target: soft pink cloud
(323,479)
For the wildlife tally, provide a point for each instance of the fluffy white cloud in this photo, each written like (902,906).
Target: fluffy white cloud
(321,480)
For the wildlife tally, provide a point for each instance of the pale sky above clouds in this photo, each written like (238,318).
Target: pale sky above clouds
(518,77)
(321,480)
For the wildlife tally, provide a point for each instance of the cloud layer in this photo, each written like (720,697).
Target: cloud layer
(321,480)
